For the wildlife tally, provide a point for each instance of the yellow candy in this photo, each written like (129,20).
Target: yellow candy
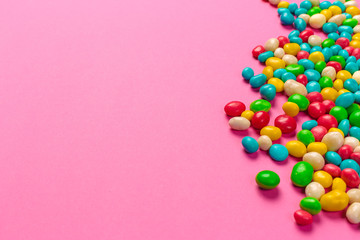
(338,84)
(341,91)
(283,4)
(335,10)
(279,85)
(334,200)
(316,57)
(292,48)
(355,44)
(248,114)
(274,133)
(343,75)
(269,72)
(323,178)
(352,10)
(318,147)
(329,94)
(296,148)
(336,130)
(291,109)
(356,36)
(275,63)
(327,13)
(338,184)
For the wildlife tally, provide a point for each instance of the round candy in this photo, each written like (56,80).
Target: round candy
(333,170)
(349,163)
(258,80)
(250,144)
(353,213)
(234,108)
(318,132)
(333,141)
(351,141)
(314,159)
(300,100)
(278,152)
(339,113)
(315,190)
(354,195)
(239,123)
(264,142)
(274,133)
(355,118)
(260,105)
(260,119)
(318,147)
(338,184)
(316,109)
(327,121)
(302,217)
(257,51)
(247,73)
(267,179)
(324,178)
(268,92)
(286,123)
(333,157)
(345,100)
(301,174)
(306,137)
(350,177)
(311,205)
(345,151)
(296,148)
(291,109)
(308,125)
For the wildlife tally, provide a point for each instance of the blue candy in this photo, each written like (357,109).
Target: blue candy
(258,80)
(334,36)
(283,10)
(268,92)
(305,47)
(306,63)
(335,49)
(351,84)
(292,7)
(312,75)
(330,27)
(250,144)
(316,49)
(325,5)
(355,132)
(300,24)
(327,52)
(296,40)
(278,152)
(344,126)
(333,157)
(344,28)
(357,96)
(287,18)
(247,73)
(287,76)
(265,56)
(279,72)
(306,4)
(346,35)
(352,67)
(349,163)
(340,5)
(351,59)
(294,33)
(300,11)
(344,54)
(313,87)
(308,125)
(347,15)
(345,100)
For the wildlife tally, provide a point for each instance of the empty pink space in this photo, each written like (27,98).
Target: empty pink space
(112,124)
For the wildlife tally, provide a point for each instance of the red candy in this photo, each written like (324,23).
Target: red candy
(318,132)
(335,65)
(349,49)
(260,119)
(302,217)
(329,105)
(283,40)
(356,53)
(355,156)
(304,35)
(327,121)
(316,109)
(343,42)
(302,55)
(314,97)
(302,78)
(332,169)
(350,177)
(286,123)
(345,151)
(257,51)
(234,108)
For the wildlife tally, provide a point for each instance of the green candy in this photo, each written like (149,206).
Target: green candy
(302,174)
(260,105)
(319,66)
(350,22)
(339,113)
(328,43)
(295,69)
(325,82)
(305,136)
(355,119)
(311,205)
(339,59)
(300,100)
(267,179)
(314,10)
(353,107)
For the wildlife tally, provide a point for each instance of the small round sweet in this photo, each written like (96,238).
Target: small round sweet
(316,109)
(305,17)
(349,163)
(292,87)
(278,152)
(324,178)
(286,123)
(333,157)
(257,51)
(318,147)
(351,141)
(354,195)
(339,113)
(319,132)
(300,24)
(247,73)
(317,21)
(305,136)
(330,27)
(355,119)
(289,59)
(264,142)
(335,10)
(353,213)
(311,205)
(338,184)
(275,63)
(239,123)
(250,144)
(291,109)
(271,44)
(338,19)
(257,80)
(355,132)
(329,72)
(329,94)
(308,125)
(283,4)
(260,105)
(333,141)
(334,200)
(268,92)
(345,100)
(314,97)
(300,100)
(267,179)
(302,217)
(338,84)
(350,177)
(351,84)
(315,40)
(268,72)
(248,114)
(234,108)
(327,121)
(352,10)
(329,105)
(345,151)
(315,190)
(274,133)
(315,159)
(296,148)
(357,149)
(287,18)
(333,170)
(260,119)
(316,57)
(279,85)
(279,52)
(301,174)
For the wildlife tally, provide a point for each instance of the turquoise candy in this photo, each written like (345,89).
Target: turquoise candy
(268,92)
(306,4)
(313,87)
(308,125)
(250,144)
(282,11)
(357,96)
(305,47)
(258,80)
(330,27)
(292,7)
(349,163)
(352,67)
(351,84)
(345,100)
(347,29)
(300,11)
(325,5)
(335,36)
(294,33)
(306,63)
(344,54)
(344,126)
(312,75)
(265,56)
(296,39)
(333,157)
(355,132)
(300,24)
(340,5)
(278,152)
(247,73)
(287,18)
(279,72)
(287,76)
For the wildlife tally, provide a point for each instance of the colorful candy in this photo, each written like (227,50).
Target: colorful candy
(267,179)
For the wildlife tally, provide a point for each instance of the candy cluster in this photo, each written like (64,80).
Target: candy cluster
(321,78)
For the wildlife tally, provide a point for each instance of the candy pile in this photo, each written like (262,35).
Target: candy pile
(321,78)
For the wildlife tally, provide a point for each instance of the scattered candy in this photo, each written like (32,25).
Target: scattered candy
(267,179)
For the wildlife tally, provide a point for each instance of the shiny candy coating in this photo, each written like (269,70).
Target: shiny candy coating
(302,174)
(302,217)
(354,195)
(278,152)
(264,142)
(267,179)
(274,133)
(311,205)
(338,184)
(350,177)
(334,200)
(315,159)
(260,119)
(353,213)
(296,148)
(322,177)
(239,123)
(315,190)
(333,141)
(332,169)
(250,144)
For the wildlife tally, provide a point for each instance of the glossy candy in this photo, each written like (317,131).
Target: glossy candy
(353,213)
(260,105)
(301,174)
(315,159)
(311,205)
(264,142)
(234,108)
(315,190)
(250,144)
(350,177)
(286,123)
(278,152)
(260,119)
(267,179)
(239,123)
(334,200)
(302,217)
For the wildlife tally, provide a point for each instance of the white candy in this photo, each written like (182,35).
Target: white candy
(333,141)
(356,76)
(264,142)
(271,44)
(315,40)
(315,2)
(354,195)
(279,53)
(274,2)
(353,142)
(289,59)
(239,123)
(356,29)
(338,19)
(317,20)
(305,17)
(315,159)
(291,87)
(353,213)
(315,190)
(329,72)
(357,17)
(350,3)
(357,149)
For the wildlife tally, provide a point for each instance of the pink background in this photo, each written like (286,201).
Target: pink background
(112,123)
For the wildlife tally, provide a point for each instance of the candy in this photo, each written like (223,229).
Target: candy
(274,133)
(334,200)
(291,109)
(349,163)
(355,118)
(268,92)
(318,147)
(301,174)
(296,148)
(350,177)
(318,132)
(353,213)
(267,179)
(351,141)
(333,170)
(315,190)
(239,123)
(264,142)
(302,217)
(300,100)
(324,178)
(258,80)
(305,136)
(314,159)
(260,105)
(354,195)
(333,157)
(333,141)
(311,205)
(271,44)
(260,119)
(250,144)
(286,123)
(278,152)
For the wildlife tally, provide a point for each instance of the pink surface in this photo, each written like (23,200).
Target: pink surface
(113,127)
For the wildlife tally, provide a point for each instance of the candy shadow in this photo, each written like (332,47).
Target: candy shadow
(306,228)
(270,194)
